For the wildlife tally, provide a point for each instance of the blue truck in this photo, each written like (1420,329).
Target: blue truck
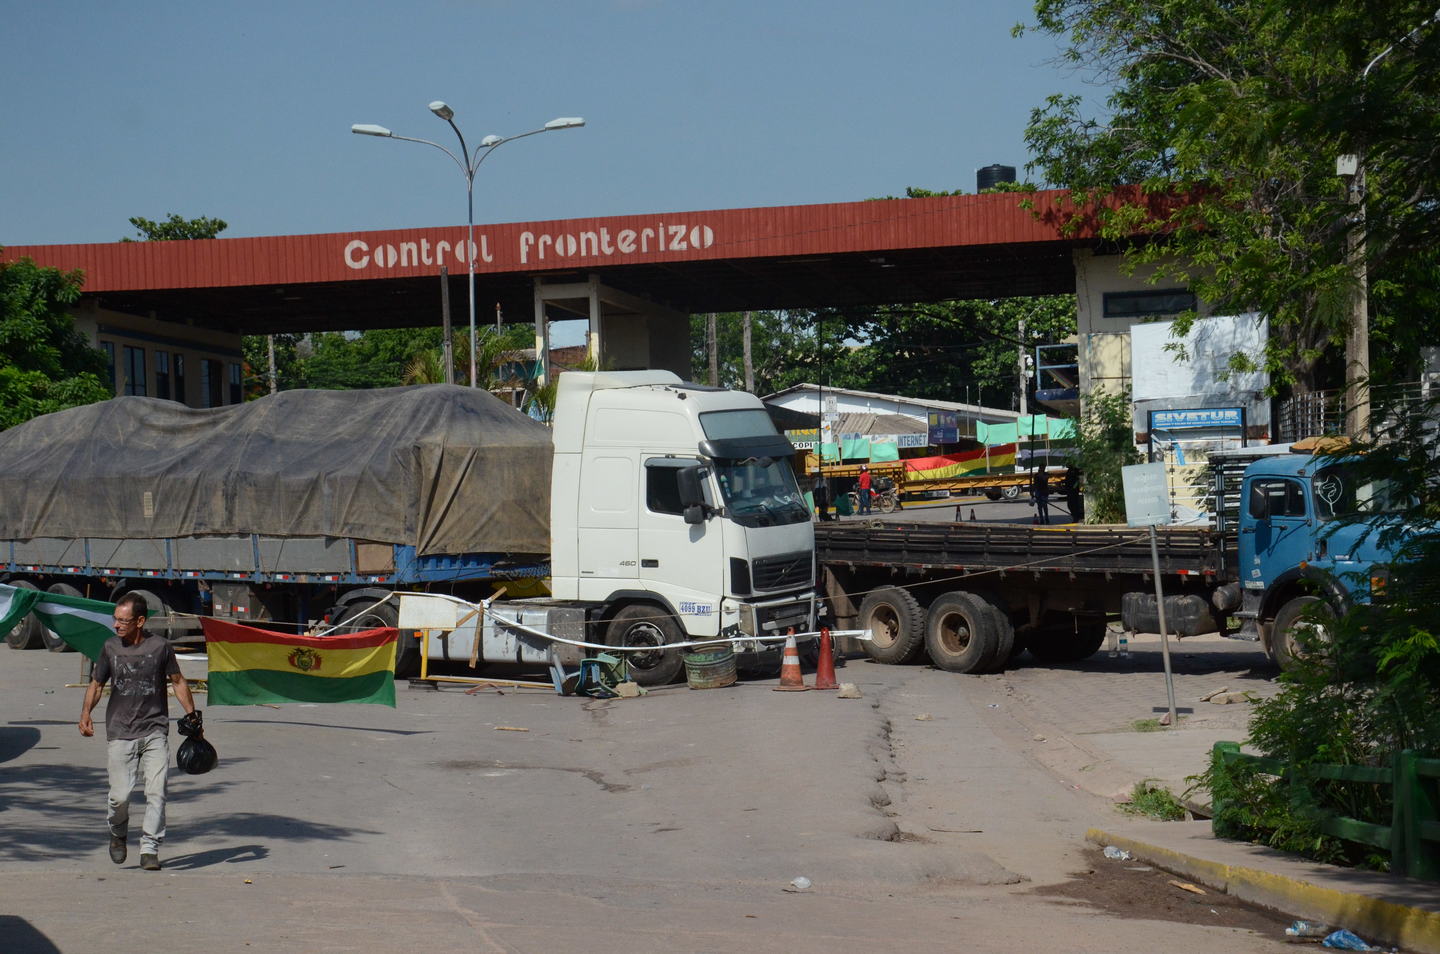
(1284,547)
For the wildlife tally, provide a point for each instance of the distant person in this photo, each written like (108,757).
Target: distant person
(1074,499)
(137,724)
(822,498)
(862,486)
(1040,488)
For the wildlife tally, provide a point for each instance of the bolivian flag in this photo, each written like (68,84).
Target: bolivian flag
(249,666)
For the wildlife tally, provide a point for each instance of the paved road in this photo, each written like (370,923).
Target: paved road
(921,813)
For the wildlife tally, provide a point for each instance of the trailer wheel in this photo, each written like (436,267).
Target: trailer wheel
(960,633)
(897,625)
(1067,644)
(53,642)
(992,493)
(360,615)
(1302,623)
(1012,491)
(28,633)
(645,624)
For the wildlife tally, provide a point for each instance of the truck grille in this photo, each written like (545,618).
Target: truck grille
(780,572)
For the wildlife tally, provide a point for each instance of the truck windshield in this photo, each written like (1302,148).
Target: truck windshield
(1342,491)
(760,492)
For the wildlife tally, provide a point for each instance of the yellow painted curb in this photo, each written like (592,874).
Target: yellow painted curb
(1378,921)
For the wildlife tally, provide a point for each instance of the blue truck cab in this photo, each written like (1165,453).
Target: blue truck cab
(1310,543)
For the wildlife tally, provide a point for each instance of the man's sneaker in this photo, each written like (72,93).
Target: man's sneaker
(150,862)
(117,849)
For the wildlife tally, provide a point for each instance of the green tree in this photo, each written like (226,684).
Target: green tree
(175,227)
(1239,110)
(45,364)
(1105,443)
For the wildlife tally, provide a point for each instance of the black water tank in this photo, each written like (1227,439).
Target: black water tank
(991,176)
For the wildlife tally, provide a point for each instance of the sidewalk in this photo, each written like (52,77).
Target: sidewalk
(1086,722)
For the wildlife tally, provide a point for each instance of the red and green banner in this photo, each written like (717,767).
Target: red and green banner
(249,666)
(948,466)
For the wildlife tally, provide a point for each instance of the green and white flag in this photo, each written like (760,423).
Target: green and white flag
(83,624)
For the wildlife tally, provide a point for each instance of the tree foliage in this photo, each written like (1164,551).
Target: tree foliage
(45,364)
(175,227)
(1104,444)
(948,351)
(1241,108)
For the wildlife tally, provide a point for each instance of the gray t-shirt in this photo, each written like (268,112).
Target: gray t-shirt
(139,706)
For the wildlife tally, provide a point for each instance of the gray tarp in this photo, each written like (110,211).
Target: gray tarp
(443,468)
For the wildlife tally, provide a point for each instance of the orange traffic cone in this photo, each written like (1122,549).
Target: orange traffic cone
(791,679)
(825,668)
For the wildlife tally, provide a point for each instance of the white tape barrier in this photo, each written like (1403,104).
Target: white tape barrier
(442,612)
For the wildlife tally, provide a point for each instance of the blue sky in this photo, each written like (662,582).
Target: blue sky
(242,111)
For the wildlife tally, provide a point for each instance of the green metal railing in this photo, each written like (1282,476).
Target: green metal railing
(1413,835)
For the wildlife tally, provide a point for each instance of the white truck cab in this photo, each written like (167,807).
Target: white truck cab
(675,507)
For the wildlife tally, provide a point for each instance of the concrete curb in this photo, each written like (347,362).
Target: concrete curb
(1378,920)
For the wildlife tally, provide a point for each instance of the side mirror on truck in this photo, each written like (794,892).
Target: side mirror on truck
(692,494)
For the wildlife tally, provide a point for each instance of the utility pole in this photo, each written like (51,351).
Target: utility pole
(713,347)
(1020,369)
(745,342)
(274,378)
(447,351)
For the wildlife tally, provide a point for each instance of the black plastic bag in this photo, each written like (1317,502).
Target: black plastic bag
(196,755)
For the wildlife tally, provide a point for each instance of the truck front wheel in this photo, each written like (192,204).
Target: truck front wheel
(1301,626)
(644,624)
(896,622)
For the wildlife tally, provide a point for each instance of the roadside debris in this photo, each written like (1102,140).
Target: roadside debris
(924,717)
(1213,693)
(1229,698)
(1308,929)
(1118,854)
(1345,941)
(1186,886)
(848,690)
(510,728)
(798,885)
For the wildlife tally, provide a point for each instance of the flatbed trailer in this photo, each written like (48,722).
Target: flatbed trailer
(1010,485)
(976,595)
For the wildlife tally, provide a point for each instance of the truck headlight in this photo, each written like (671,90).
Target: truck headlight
(748,625)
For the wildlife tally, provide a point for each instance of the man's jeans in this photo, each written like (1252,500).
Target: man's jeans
(128,759)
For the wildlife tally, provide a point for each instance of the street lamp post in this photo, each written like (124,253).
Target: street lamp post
(469,164)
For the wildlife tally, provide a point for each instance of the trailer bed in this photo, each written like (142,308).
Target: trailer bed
(1020,548)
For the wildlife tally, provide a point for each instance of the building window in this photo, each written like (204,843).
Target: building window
(1143,304)
(179,376)
(237,384)
(134,371)
(162,375)
(212,385)
(109,348)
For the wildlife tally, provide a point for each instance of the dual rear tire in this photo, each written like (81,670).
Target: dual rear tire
(961,631)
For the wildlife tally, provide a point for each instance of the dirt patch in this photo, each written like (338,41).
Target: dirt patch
(1122,889)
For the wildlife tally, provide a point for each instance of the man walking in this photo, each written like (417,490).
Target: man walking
(137,724)
(862,486)
(1040,488)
